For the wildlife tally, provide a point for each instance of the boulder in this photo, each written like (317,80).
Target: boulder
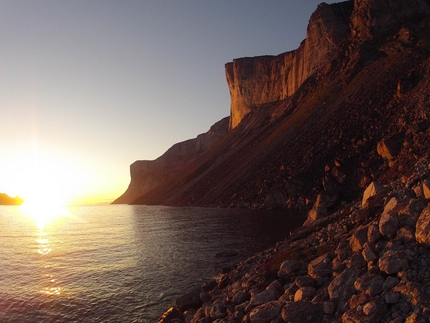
(324,200)
(367,314)
(304,293)
(320,267)
(271,293)
(372,190)
(389,223)
(302,311)
(370,284)
(342,287)
(422,229)
(266,312)
(358,239)
(288,267)
(393,262)
(189,300)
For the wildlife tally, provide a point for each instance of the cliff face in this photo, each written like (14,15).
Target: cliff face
(308,122)
(254,81)
(148,174)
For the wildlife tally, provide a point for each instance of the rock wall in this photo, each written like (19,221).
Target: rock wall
(148,174)
(254,81)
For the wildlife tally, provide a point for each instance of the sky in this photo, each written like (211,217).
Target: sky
(87,87)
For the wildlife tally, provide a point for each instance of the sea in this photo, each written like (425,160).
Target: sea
(121,263)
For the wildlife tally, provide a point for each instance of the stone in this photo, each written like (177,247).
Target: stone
(370,284)
(266,312)
(342,287)
(171,314)
(411,291)
(288,267)
(370,308)
(426,188)
(304,281)
(368,252)
(372,190)
(388,148)
(373,234)
(389,283)
(320,267)
(304,293)
(408,216)
(319,210)
(218,311)
(368,314)
(358,239)
(422,230)
(389,223)
(271,293)
(392,298)
(189,300)
(302,311)
(393,262)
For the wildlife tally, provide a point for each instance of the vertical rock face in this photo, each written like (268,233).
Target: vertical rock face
(148,174)
(253,81)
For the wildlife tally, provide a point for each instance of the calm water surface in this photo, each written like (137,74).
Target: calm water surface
(120,263)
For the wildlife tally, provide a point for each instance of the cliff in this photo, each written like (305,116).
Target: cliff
(307,122)
(254,81)
(148,174)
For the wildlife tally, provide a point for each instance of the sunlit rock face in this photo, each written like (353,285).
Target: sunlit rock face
(148,174)
(254,81)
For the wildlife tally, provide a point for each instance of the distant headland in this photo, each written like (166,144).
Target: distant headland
(7,200)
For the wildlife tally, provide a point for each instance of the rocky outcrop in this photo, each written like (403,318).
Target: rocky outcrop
(148,174)
(254,81)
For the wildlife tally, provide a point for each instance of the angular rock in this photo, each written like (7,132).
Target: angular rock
(393,262)
(320,267)
(288,267)
(358,239)
(426,188)
(342,287)
(319,210)
(370,284)
(373,234)
(304,281)
(266,312)
(389,223)
(304,293)
(422,230)
(388,148)
(189,300)
(357,315)
(373,189)
(271,293)
(368,252)
(302,311)
(171,314)
(409,215)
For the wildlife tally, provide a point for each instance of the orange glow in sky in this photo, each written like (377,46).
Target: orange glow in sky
(43,175)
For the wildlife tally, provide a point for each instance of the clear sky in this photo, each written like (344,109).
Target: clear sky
(89,86)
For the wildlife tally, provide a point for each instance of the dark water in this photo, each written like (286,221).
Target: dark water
(121,263)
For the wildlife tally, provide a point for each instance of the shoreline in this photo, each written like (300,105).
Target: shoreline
(366,262)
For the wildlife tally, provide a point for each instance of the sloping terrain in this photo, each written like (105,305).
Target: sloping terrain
(374,86)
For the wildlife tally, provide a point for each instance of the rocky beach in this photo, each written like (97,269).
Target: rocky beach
(368,261)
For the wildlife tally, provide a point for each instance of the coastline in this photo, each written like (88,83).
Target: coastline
(368,261)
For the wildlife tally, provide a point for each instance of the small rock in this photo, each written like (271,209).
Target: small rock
(302,311)
(392,298)
(373,234)
(389,223)
(370,308)
(342,287)
(304,293)
(288,267)
(393,262)
(358,239)
(422,231)
(370,284)
(266,312)
(304,281)
(373,189)
(389,283)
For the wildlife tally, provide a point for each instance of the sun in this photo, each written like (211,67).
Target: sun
(47,184)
